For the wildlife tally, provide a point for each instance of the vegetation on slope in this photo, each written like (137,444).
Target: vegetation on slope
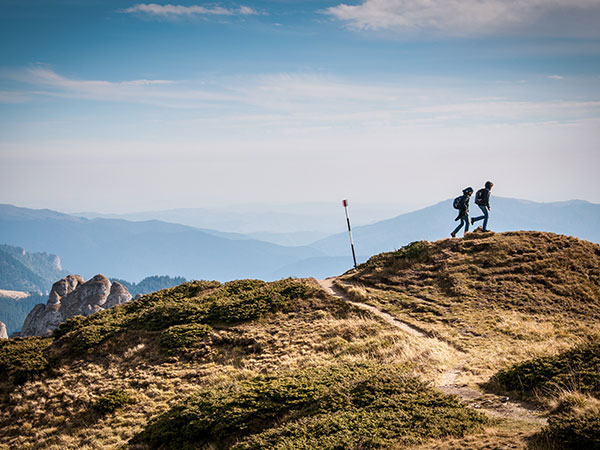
(502,298)
(301,365)
(577,369)
(570,379)
(23,358)
(205,336)
(340,406)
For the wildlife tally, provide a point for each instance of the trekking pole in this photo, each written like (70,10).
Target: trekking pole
(345,203)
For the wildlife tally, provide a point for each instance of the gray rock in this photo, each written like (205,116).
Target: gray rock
(3,334)
(118,295)
(71,297)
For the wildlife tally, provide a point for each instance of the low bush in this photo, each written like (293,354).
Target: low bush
(415,251)
(196,304)
(111,401)
(575,369)
(179,338)
(574,424)
(23,357)
(342,406)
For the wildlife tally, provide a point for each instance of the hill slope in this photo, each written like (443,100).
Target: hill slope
(250,364)
(499,297)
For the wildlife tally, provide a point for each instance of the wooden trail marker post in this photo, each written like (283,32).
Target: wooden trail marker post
(345,203)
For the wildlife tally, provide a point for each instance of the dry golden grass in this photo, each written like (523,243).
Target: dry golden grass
(500,298)
(55,411)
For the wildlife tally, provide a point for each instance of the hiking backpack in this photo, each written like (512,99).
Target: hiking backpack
(479,197)
(457,202)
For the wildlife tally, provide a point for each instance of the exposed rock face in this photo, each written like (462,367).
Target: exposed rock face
(70,297)
(3,334)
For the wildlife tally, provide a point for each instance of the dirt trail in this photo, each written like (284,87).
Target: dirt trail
(491,404)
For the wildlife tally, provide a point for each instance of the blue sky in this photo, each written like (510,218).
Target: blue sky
(123,106)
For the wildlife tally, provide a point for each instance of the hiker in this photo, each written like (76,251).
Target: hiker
(482,199)
(462,204)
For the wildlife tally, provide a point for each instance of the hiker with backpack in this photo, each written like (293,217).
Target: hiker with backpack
(462,204)
(482,199)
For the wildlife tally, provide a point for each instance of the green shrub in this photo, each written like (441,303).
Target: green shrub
(88,337)
(243,300)
(23,357)
(344,406)
(68,325)
(111,401)
(195,303)
(411,252)
(181,337)
(164,315)
(575,369)
(574,425)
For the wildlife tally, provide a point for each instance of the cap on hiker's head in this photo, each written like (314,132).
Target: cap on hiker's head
(468,190)
(488,184)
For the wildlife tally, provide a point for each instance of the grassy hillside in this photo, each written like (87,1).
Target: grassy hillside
(501,298)
(570,383)
(283,352)
(250,364)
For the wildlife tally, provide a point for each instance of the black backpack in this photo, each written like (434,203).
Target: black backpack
(457,202)
(479,197)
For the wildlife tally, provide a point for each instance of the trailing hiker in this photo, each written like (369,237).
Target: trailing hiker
(482,199)
(462,204)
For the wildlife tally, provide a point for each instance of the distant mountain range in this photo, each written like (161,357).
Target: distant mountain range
(28,272)
(290,225)
(135,250)
(572,218)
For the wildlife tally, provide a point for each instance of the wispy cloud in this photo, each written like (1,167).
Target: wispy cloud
(154,9)
(166,93)
(556,77)
(307,101)
(472,17)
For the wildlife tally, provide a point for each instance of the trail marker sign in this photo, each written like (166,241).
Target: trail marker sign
(345,203)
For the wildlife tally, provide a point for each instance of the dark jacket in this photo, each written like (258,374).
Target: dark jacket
(485,197)
(464,205)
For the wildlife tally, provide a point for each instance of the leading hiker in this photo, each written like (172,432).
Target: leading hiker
(482,199)
(462,204)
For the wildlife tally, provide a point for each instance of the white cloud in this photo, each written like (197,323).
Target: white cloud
(299,102)
(160,92)
(472,17)
(556,77)
(153,9)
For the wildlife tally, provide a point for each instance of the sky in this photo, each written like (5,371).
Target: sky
(120,106)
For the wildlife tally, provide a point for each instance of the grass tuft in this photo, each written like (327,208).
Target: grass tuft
(111,401)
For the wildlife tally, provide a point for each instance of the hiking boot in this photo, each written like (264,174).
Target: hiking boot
(472,221)
(453,234)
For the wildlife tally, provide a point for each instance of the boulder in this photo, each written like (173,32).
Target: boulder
(71,297)
(3,334)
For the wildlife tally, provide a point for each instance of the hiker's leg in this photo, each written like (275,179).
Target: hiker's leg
(458,227)
(485,216)
(465,218)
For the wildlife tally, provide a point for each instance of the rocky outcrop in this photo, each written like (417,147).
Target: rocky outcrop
(3,334)
(71,297)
